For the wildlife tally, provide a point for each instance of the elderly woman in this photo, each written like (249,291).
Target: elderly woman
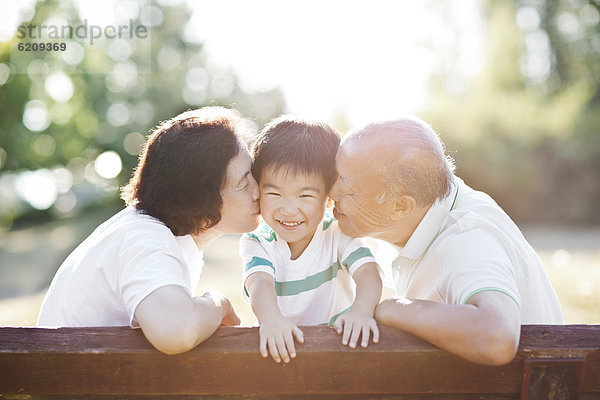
(192,184)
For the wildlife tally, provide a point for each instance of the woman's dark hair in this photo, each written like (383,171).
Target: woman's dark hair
(299,146)
(182,169)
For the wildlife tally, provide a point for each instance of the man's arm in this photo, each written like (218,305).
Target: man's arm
(175,322)
(486,330)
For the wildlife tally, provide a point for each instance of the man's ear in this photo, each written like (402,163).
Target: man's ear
(403,206)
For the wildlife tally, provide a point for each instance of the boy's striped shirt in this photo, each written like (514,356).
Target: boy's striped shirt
(316,287)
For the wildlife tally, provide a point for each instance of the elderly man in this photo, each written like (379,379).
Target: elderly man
(466,275)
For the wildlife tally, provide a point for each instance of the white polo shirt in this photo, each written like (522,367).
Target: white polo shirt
(125,259)
(467,244)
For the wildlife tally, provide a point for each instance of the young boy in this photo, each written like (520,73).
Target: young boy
(298,264)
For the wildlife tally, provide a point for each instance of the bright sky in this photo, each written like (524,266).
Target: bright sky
(369,60)
(366,60)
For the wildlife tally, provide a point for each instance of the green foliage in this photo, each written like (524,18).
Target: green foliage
(528,133)
(117,96)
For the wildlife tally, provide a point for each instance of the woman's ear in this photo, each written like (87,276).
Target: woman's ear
(329,203)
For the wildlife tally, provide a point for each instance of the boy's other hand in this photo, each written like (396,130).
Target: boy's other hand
(354,323)
(278,336)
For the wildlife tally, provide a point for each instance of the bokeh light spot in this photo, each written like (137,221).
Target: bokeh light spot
(37,188)
(119,50)
(4,73)
(118,114)
(151,16)
(585,288)
(133,143)
(44,145)
(3,157)
(35,116)
(168,58)
(108,164)
(59,86)
(66,202)
(74,54)
(561,258)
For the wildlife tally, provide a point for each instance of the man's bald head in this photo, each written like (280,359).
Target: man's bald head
(406,155)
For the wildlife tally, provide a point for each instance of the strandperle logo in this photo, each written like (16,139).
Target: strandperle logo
(89,33)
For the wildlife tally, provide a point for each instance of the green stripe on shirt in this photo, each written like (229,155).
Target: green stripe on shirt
(356,255)
(256,261)
(332,319)
(252,236)
(493,289)
(327,223)
(292,288)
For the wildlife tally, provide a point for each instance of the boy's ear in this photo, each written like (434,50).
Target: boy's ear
(329,203)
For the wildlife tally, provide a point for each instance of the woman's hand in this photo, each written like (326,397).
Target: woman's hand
(223,304)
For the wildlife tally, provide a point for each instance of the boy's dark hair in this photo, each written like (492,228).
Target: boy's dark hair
(298,145)
(182,169)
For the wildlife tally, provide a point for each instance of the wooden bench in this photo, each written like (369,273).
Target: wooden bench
(72,363)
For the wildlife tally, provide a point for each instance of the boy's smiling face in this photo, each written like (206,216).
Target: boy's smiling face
(292,204)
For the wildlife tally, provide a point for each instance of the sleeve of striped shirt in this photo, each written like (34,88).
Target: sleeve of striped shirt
(254,259)
(353,253)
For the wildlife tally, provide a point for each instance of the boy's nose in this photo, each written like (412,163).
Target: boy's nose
(288,209)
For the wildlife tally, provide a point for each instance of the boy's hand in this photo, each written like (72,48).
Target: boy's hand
(355,322)
(278,335)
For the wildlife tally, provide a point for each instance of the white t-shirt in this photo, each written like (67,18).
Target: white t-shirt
(316,287)
(125,259)
(466,244)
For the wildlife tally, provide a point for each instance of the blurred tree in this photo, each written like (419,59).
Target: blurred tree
(525,128)
(66,108)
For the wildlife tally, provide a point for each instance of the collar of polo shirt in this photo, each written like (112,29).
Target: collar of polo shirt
(430,225)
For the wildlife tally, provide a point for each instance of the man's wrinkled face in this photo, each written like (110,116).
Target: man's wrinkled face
(355,195)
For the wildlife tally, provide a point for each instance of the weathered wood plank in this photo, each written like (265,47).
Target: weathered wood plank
(279,397)
(109,361)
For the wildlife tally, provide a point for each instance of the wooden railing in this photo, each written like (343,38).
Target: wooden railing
(552,361)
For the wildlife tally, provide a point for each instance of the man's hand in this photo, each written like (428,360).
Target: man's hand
(223,304)
(384,313)
(278,335)
(355,322)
